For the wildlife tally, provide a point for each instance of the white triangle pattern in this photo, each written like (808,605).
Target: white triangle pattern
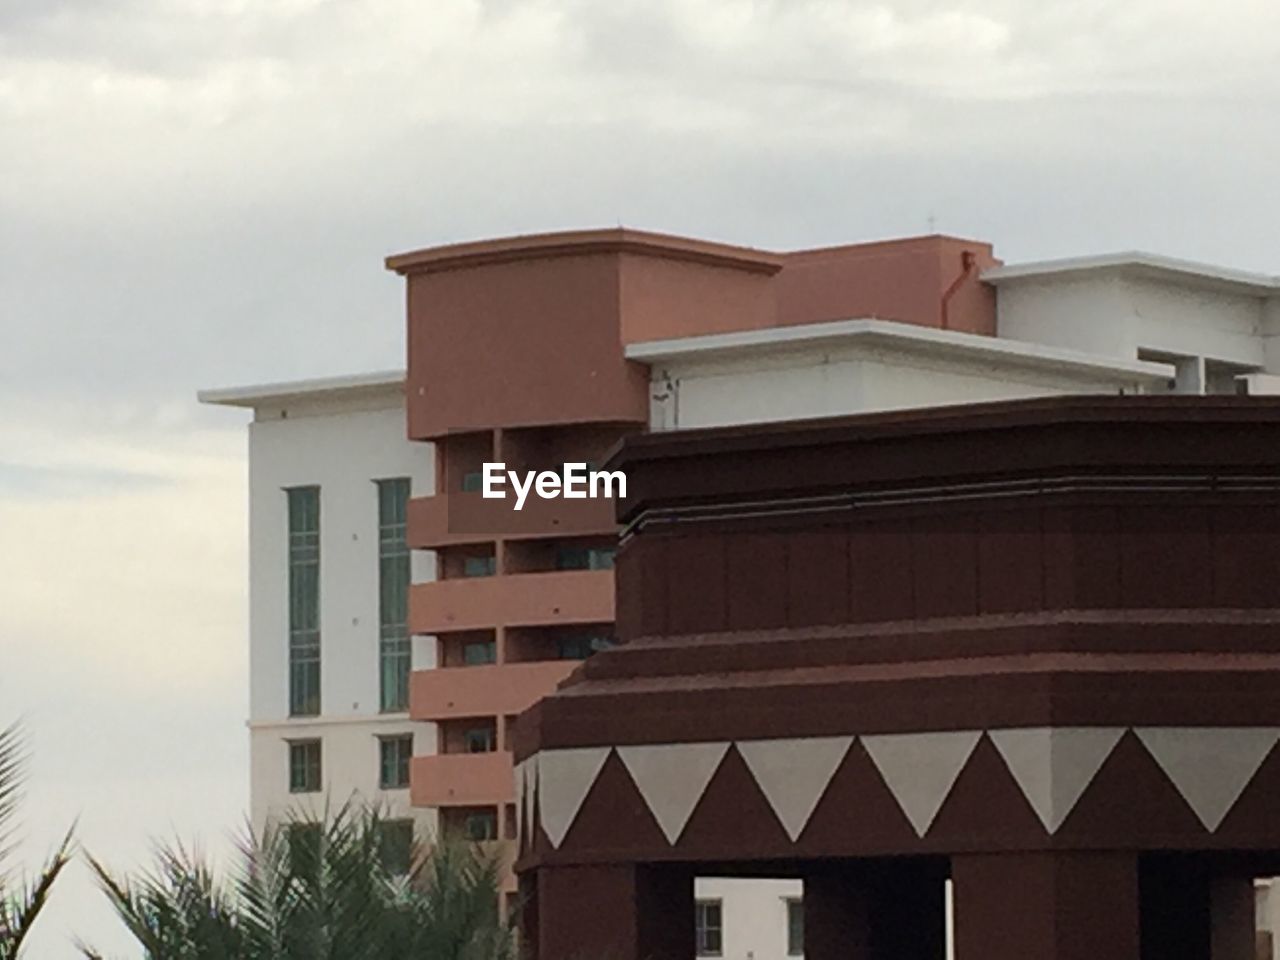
(921,768)
(563,778)
(1053,766)
(1210,766)
(671,778)
(793,774)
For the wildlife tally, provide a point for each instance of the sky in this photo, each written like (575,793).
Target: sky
(199,193)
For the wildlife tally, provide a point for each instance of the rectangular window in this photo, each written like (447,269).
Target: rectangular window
(480,740)
(479,652)
(709,928)
(395,846)
(579,646)
(585,558)
(306,845)
(795,928)
(479,566)
(393,595)
(481,825)
(304,766)
(304,601)
(473,482)
(394,754)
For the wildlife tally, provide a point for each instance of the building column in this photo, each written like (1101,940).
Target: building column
(1051,906)
(875,910)
(1233,918)
(614,911)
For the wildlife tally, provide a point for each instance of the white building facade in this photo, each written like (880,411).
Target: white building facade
(330,471)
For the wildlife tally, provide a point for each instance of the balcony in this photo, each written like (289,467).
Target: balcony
(500,690)
(526,599)
(454,518)
(462,780)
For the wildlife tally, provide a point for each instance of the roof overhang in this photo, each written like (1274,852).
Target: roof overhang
(870,333)
(543,246)
(1148,266)
(320,388)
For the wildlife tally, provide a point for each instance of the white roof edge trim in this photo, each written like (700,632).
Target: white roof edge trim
(892,333)
(1188,270)
(257,394)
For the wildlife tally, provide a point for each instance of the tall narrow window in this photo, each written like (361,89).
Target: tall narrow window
(795,928)
(709,927)
(393,595)
(304,601)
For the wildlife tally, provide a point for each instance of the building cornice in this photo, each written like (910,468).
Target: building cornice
(585,243)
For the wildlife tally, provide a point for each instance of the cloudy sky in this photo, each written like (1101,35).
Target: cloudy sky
(199,193)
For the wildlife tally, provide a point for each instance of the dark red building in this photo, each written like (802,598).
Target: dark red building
(1033,648)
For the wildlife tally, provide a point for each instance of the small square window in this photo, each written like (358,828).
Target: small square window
(394,754)
(304,766)
(481,825)
(479,652)
(479,566)
(480,740)
(709,926)
(472,481)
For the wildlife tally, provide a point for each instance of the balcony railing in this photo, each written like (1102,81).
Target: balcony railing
(523,599)
(463,780)
(497,690)
(452,518)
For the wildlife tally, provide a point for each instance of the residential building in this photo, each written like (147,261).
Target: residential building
(330,476)
(545,350)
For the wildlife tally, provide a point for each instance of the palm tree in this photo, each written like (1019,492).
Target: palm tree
(316,890)
(19,907)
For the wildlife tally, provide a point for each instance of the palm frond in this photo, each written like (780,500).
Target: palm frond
(19,909)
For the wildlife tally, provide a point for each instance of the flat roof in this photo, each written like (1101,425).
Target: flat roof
(891,333)
(1140,263)
(256,395)
(577,242)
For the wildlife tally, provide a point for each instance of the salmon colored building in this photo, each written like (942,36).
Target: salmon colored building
(517,354)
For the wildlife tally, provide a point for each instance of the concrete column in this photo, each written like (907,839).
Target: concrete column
(1191,913)
(1050,906)
(837,916)
(1233,918)
(875,910)
(614,911)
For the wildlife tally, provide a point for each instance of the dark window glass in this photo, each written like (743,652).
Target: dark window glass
(304,766)
(480,740)
(394,651)
(479,566)
(481,825)
(473,482)
(478,652)
(795,928)
(585,558)
(395,845)
(394,754)
(306,842)
(304,601)
(579,646)
(709,928)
